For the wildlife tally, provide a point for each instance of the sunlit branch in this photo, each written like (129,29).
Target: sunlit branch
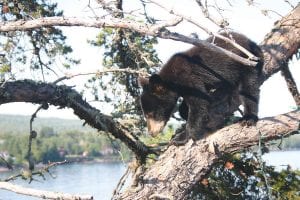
(99,73)
(189,19)
(42,193)
(64,96)
(204,9)
(186,165)
(30,174)
(158,30)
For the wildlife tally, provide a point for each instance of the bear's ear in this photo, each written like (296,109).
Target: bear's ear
(155,79)
(142,81)
(156,84)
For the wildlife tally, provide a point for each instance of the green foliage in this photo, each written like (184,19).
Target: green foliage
(46,44)
(123,49)
(16,146)
(240,177)
(19,124)
(292,142)
(285,184)
(160,138)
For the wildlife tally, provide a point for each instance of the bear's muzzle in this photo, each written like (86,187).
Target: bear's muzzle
(154,126)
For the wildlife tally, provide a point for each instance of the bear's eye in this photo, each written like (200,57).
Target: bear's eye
(149,115)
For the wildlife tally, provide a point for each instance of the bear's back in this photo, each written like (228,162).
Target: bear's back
(200,65)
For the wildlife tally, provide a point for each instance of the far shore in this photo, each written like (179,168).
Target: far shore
(70,160)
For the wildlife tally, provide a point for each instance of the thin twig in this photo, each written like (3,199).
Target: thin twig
(32,134)
(290,4)
(266,12)
(8,166)
(121,183)
(189,19)
(158,30)
(262,166)
(204,9)
(291,84)
(99,73)
(39,172)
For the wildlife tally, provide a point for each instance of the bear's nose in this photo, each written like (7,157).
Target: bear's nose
(154,126)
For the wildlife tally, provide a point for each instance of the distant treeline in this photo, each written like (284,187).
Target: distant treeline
(60,139)
(20,124)
(57,139)
(292,142)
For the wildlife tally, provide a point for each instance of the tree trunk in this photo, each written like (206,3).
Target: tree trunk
(282,43)
(180,168)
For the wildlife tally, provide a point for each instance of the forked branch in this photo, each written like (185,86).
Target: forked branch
(158,30)
(63,96)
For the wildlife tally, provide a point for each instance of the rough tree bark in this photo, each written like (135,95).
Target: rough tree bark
(178,169)
(158,30)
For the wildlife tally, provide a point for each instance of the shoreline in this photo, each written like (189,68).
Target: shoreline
(83,160)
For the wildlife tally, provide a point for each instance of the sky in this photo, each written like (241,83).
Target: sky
(274,99)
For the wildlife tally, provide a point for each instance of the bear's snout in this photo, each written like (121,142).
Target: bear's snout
(154,126)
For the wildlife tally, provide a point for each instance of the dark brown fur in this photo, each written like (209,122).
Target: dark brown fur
(205,80)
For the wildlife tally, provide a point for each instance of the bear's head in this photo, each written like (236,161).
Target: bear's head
(157,103)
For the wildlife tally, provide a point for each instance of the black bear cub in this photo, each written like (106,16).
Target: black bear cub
(212,85)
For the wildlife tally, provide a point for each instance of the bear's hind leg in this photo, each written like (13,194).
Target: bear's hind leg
(197,117)
(249,95)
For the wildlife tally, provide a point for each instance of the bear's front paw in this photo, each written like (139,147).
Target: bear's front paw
(180,138)
(248,120)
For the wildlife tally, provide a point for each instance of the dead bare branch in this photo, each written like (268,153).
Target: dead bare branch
(189,19)
(30,174)
(63,96)
(158,30)
(99,73)
(204,8)
(42,193)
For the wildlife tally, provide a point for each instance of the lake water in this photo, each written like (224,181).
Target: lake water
(97,179)
(100,179)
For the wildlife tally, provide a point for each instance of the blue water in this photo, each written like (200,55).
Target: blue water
(97,179)
(100,179)
(280,159)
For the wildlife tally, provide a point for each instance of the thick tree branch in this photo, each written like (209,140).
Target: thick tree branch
(281,43)
(63,96)
(41,193)
(279,46)
(180,168)
(158,30)
(189,19)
